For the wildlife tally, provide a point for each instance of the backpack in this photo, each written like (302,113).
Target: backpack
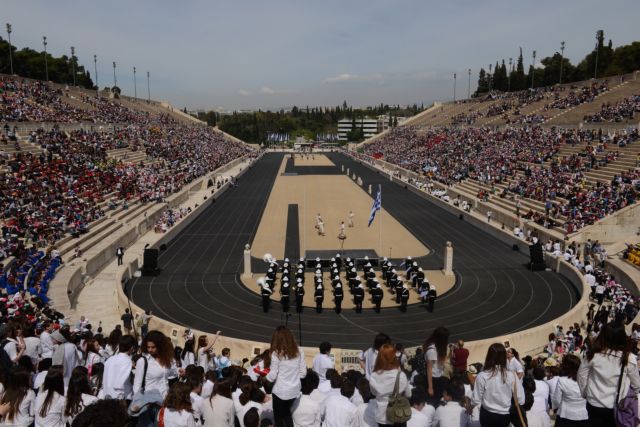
(5,361)
(398,409)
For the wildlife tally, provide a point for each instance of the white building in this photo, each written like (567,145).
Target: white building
(370,127)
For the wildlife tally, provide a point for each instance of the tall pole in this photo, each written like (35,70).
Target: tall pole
(510,71)
(533,68)
(73,64)
(115,81)
(10,48)
(135,89)
(148,89)
(595,71)
(561,60)
(454,87)
(469,87)
(46,65)
(95,69)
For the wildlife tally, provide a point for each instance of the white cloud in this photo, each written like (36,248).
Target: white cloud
(341,78)
(244,92)
(266,90)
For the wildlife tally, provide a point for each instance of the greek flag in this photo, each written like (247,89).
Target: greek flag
(377,205)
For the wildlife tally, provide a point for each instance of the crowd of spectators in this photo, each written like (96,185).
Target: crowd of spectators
(525,161)
(618,112)
(73,181)
(577,96)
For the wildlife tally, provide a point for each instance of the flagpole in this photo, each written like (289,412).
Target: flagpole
(380,237)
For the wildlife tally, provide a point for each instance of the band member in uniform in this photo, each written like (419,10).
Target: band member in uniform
(393,280)
(301,264)
(431,298)
(404,298)
(270,278)
(339,261)
(338,295)
(284,296)
(384,266)
(299,296)
(413,268)
(423,288)
(319,298)
(398,289)
(407,263)
(376,297)
(358,297)
(300,275)
(336,281)
(266,295)
(418,278)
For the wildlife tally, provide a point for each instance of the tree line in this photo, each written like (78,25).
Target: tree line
(254,126)
(31,64)
(610,62)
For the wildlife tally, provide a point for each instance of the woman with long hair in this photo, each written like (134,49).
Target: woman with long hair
(494,389)
(608,358)
(204,352)
(79,393)
(187,356)
(20,398)
(383,380)
(218,410)
(435,356)
(567,400)
(158,356)
(91,354)
(287,368)
(50,403)
(177,410)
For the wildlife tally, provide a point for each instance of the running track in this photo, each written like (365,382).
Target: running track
(494,294)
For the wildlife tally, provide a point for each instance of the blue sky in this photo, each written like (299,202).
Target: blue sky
(250,54)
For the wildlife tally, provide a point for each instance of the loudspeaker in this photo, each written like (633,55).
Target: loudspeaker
(150,262)
(537,258)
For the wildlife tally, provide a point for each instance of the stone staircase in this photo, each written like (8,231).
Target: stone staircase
(126,155)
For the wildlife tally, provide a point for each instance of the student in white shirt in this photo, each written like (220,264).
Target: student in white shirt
(368,356)
(50,403)
(210,378)
(20,398)
(541,395)
(452,413)
(78,394)
(195,382)
(323,361)
(600,371)
(204,352)
(513,364)
(306,412)
(567,400)
(46,343)
(494,388)
(176,410)
(117,370)
(218,410)
(383,380)
(418,401)
(435,349)
(15,346)
(160,364)
(188,357)
(287,368)
(338,409)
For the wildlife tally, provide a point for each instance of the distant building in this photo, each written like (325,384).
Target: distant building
(370,127)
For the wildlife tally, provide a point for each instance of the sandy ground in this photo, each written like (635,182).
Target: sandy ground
(331,196)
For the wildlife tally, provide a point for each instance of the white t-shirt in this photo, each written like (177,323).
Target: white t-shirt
(286,373)
(87,400)
(178,418)
(55,416)
(25,414)
(321,363)
(369,358)
(432,355)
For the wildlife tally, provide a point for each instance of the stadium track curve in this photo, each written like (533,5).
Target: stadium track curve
(199,285)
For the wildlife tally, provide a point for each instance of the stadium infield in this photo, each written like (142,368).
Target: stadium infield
(494,294)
